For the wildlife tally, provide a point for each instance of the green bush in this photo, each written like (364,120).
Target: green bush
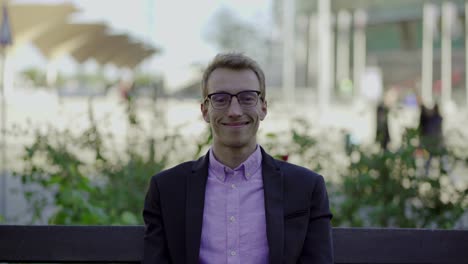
(93,183)
(376,187)
(392,189)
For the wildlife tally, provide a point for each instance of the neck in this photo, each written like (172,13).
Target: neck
(233,157)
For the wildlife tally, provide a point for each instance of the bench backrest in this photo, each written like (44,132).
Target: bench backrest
(124,244)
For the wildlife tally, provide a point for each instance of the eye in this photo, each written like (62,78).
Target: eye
(248,97)
(219,98)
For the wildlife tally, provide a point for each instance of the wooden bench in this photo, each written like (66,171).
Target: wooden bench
(114,244)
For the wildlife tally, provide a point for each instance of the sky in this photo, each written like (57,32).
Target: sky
(176,27)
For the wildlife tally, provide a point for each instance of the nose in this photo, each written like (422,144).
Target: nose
(234,108)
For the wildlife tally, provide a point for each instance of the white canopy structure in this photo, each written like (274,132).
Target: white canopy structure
(48,27)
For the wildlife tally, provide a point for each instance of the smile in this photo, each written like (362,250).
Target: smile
(236,124)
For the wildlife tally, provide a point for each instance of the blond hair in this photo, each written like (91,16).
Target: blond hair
(234,61)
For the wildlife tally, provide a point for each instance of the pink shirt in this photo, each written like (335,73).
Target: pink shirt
(234,224)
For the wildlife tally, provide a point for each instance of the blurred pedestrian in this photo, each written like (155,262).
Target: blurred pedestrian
(430,133)
(382,134)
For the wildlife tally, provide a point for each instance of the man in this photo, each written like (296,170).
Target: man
(236,204)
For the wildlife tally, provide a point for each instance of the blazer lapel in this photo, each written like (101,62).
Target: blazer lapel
(273,192)
(196,183)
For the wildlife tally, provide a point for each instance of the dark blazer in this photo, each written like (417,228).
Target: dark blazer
(296,208)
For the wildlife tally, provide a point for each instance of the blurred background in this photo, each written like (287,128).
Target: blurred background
(97,96)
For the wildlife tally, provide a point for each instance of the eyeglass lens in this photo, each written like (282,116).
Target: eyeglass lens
(245,99)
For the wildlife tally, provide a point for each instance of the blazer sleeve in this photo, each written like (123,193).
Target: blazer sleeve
(318,245)
(155,249)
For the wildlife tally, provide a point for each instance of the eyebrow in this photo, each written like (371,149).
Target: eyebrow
(222,91)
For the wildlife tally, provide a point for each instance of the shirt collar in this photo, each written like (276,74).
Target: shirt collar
(250,166)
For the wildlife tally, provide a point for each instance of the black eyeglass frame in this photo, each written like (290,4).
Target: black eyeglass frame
(208,97)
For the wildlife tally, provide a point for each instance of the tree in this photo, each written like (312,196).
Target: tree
(228,32)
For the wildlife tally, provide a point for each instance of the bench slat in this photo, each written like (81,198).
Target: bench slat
(124,244)
(385,245)
(71,243)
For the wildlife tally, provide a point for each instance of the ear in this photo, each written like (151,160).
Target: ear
(263,110)
(204,110)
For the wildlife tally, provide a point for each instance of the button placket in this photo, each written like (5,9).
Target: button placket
(232,212)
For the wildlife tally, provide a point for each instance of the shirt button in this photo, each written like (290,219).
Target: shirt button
(232,219)
(233,253)
(233,186)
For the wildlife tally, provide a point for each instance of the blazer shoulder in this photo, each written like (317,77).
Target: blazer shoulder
(174,174)
(292,172)
(298,173)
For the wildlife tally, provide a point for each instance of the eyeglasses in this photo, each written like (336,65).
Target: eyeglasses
(222,100)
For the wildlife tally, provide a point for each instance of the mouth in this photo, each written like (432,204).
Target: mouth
(235,124)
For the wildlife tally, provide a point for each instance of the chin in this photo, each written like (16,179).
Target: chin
(231,142)
(234,140)
(238,143)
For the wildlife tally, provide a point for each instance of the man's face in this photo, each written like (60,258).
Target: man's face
(234,126)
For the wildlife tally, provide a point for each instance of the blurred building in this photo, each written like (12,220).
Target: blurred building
(334,47)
